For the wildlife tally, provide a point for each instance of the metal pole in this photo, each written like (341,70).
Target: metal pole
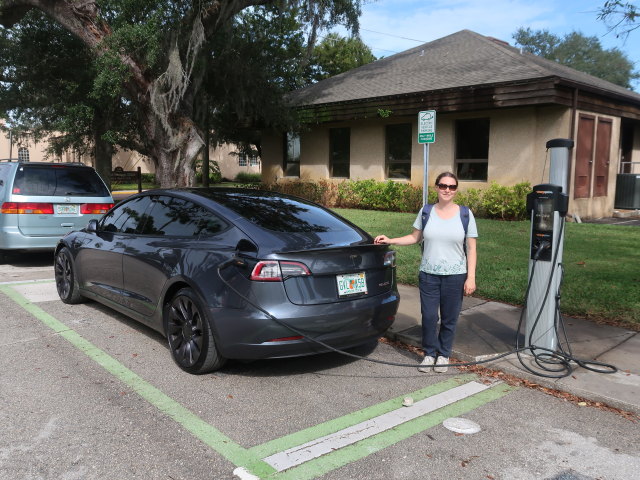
(425,179)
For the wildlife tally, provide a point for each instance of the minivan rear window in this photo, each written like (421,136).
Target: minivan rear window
(58,180)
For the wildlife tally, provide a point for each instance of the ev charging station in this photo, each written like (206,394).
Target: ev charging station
(547,204)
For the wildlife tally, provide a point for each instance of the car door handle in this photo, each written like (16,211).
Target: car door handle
(67,225)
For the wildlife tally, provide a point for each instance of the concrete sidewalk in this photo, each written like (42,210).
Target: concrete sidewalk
(488,328)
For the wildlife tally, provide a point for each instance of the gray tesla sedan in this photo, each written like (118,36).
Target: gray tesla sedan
(233,274)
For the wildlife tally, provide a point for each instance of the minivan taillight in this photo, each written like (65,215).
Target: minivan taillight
(27,208)
(275,271)
(95,208)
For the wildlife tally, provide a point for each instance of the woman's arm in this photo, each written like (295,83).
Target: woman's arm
(472,257)
(413,237)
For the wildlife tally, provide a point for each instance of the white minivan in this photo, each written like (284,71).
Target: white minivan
(41,202)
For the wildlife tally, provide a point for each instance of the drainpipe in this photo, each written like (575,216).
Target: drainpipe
(572,135)
(574,113)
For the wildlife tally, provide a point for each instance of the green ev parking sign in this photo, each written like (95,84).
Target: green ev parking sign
(427,126)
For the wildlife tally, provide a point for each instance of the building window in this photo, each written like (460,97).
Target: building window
(472,149)
(339,152)
(23,154)
(291,161)
(398,151)
(250,160)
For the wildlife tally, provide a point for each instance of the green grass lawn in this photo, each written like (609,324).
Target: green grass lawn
(601,262)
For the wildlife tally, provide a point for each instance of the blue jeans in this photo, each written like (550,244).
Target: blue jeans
(443,292)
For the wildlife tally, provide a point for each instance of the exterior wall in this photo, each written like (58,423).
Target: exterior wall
(227,158)
(225,155)
(37,150)
(517,151)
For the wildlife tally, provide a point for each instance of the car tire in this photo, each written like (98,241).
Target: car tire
(189,334)
(66,279)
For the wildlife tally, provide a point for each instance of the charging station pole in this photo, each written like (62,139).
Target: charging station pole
(548,206)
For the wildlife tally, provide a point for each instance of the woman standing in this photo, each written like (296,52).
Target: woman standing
(446,270)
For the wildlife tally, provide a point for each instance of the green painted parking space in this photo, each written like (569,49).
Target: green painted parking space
(449,398)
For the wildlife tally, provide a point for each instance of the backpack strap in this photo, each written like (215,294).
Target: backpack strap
(464,218)
(426,211)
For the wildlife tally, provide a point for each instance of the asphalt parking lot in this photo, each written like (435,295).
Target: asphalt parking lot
(90,394)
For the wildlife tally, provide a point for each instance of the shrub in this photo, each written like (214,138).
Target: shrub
(315,192)
(246,177)
(373,195)
(148,178)
(214,171)
(505,203)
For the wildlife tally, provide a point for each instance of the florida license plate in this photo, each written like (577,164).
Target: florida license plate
(351,283)
(67,209)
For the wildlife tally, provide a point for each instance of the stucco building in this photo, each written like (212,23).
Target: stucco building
(496,109)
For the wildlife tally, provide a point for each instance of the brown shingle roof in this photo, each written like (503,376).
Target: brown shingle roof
(462,59)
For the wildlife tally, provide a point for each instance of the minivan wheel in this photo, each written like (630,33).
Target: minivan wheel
(66,281)
(189,334)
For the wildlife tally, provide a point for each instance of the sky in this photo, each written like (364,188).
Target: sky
(391,26)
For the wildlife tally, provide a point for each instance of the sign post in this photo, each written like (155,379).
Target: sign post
(426,135)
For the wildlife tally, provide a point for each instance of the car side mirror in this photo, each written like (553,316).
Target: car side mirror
(92,226)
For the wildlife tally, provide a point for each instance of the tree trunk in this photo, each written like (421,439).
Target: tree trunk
(174,160)
(103,152)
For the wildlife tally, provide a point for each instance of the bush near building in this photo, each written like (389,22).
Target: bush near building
(496,201)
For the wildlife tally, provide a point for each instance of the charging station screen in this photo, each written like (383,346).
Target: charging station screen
(543,216)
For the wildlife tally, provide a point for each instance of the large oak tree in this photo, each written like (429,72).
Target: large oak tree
(165,59)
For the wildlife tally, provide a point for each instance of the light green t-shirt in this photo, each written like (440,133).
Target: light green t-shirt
(443,253)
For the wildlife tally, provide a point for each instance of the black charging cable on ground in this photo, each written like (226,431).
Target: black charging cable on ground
(542,359)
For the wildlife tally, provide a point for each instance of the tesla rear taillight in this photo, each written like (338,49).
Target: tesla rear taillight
(390,259)
(95,208)
(27,208)
(275,271)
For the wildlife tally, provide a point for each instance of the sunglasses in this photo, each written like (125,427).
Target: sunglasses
(444,186)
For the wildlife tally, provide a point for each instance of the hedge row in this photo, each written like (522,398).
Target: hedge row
(496,201)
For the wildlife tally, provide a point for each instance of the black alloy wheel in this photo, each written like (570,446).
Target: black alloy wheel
(189,334)
(66,282)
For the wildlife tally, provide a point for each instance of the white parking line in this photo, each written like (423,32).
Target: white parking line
(348,436)
(38,292)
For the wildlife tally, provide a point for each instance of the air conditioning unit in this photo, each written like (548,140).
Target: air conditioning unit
(627,191)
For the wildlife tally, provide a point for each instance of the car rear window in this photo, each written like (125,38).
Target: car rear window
(282,214)
(58,180)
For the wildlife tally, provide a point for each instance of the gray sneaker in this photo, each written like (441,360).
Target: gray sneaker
(426,364)
(441,361)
